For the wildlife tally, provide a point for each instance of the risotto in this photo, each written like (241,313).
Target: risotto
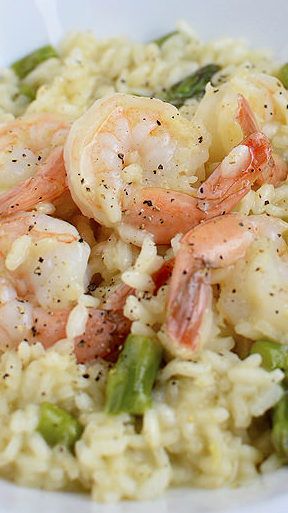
(143,266)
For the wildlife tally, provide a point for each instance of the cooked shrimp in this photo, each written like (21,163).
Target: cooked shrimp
(105,330)
(104,334)
(218,243)
(125,155)
(267,98)
(31,162)
(43,263)
(43,272)
(256,307)
(129,161)
(251,162)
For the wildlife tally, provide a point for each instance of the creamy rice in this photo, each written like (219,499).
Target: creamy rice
(179,444)
(199,430)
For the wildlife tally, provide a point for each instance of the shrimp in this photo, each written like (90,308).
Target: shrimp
(104,335)
(43,259)
(129,161)
(251,162)
(218,243)
(256,307)
(31,162)
(43,272)
(125,155)
(266,96)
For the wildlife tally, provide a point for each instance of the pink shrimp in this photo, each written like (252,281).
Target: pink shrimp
(250,163)
(104,335)
(229,182)
(216,243)
(126,156)
(107,327)
(31,162)
(43,270)
(236,174)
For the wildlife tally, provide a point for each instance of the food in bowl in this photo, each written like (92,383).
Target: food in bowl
(143,281)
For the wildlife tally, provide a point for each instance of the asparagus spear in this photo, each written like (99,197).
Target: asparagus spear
(283,75)
(57,426)
(130,382)
(161,40)
(28,91)
(274,355)
(24,66)
(280,427)
(192,86)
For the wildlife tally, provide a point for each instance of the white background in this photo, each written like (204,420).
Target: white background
(26,24)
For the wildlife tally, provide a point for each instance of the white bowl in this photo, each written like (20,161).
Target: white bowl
(26,24)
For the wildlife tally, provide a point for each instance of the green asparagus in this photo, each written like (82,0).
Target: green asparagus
(28,91)
(57,426)
(161,40)
(24,66)
(280,427)
(283,75)
(130,382)
(274,355)
(192,86)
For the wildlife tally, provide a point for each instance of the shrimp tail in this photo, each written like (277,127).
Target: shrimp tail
(277,169)
(48,184)
(189,296)
(236,174)
(105,333)
(245,117)
(216,243)
(163,274)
